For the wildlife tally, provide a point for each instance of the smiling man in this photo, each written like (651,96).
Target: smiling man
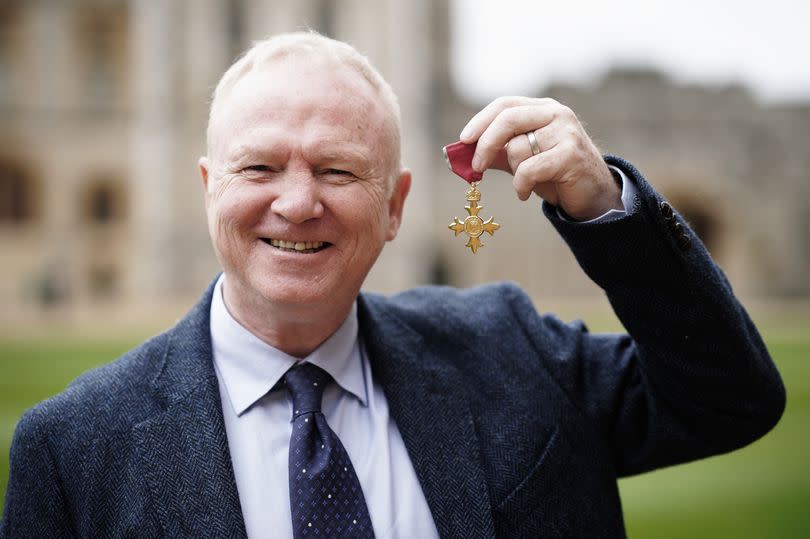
(303,188)
(289,404)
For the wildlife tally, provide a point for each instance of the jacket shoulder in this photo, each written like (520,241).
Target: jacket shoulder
(486,311)
(450,305)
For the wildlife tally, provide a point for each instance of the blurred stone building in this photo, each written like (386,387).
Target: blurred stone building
(103,106)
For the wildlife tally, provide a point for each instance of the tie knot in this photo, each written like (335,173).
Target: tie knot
(306,383)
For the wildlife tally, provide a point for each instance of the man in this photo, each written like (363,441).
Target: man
(445,413)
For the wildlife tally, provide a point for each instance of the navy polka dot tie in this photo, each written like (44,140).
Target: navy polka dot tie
(325,495)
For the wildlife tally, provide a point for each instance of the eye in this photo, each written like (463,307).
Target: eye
(336,176)
(257,168)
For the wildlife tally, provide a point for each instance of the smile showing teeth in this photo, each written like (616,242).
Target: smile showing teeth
(300,246)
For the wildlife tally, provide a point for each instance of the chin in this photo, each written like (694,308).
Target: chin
(299,294)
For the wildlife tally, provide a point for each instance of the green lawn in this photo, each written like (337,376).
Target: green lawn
(762,491)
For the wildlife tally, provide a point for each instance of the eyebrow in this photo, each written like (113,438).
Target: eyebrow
(249,149)
(316,154)
(338,152)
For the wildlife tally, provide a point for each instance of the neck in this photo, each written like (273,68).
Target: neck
(295,330)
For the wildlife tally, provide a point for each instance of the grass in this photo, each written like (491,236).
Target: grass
(760,491)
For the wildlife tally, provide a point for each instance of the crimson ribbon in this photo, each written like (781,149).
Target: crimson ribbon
(459,158)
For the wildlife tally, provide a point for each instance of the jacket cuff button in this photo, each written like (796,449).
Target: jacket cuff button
(666,209)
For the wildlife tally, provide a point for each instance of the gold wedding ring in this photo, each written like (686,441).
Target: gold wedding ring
(533,142)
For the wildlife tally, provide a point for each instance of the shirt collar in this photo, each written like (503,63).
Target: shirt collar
(249,367)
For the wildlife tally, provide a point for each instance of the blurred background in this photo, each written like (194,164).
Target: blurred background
(103,241)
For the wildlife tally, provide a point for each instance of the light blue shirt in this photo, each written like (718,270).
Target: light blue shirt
(257,423)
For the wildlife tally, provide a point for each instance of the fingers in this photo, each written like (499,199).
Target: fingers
(503,120)
(507,125)
(537,174)
(517,150)
(480,121)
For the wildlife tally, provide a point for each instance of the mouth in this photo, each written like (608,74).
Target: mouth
(303,247)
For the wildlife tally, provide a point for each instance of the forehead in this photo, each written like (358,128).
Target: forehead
(303,100)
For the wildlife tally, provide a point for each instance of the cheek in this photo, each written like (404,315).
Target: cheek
(366,214)
(375,202)
(231,213)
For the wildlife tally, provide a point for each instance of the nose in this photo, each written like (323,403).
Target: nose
(298,199)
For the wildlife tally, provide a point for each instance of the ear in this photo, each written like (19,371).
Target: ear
(203,164)
(397,202)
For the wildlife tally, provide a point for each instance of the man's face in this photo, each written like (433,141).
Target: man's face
(297,186)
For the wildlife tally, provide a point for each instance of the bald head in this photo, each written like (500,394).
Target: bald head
(307,49)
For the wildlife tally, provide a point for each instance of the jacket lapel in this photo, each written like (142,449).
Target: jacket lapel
(183,451)
(426,398)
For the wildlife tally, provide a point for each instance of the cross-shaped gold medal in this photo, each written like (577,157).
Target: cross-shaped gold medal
(473,225)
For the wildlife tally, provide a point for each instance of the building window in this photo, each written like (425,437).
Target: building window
(10,22)
(103,46)
(326,17)
(104,202)
(235,21)
(17,196)
(103,281)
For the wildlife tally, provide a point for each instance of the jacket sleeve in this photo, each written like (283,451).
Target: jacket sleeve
(34,504)
(693,378)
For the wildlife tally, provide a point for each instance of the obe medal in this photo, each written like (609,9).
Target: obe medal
(459,158)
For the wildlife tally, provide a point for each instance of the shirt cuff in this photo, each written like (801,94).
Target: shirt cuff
(629,192)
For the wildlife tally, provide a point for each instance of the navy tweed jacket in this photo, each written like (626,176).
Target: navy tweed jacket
(518,425)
